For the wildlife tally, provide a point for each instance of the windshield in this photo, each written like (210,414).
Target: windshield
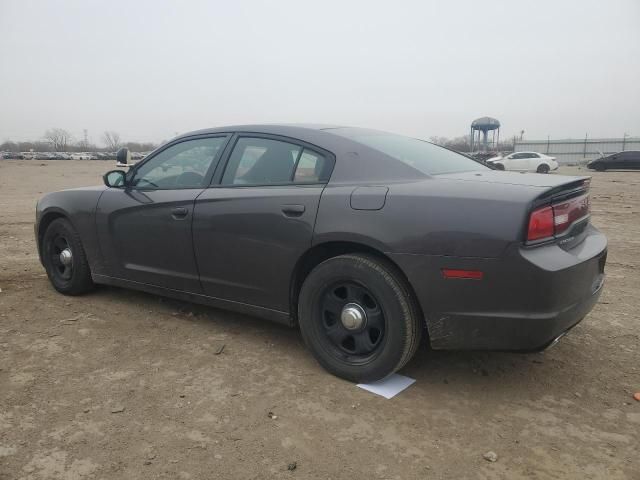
(419,154)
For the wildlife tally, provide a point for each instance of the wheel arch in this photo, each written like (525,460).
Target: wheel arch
(326,250)
(45,220)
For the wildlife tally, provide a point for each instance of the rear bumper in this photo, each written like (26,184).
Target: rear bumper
(508,332)
(526,300)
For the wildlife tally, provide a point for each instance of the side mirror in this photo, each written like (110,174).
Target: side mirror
(114,179)
(123,157)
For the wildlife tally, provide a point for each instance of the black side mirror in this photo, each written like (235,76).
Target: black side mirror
(123,157)
(114,179)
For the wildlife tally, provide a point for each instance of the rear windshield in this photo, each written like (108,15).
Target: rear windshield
(419,154)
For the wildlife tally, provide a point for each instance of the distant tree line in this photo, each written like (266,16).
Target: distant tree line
(61,140)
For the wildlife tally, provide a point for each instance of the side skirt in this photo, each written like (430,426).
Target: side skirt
(253,310)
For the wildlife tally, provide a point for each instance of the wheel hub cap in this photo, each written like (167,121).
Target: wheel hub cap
(353,316)
(66,257)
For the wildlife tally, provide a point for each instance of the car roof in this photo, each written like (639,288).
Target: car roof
(285,129)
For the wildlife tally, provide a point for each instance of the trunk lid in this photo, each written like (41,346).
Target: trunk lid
(515,178)
(558,211)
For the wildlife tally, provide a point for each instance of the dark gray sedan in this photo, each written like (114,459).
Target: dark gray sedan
(629,160)
(366,240)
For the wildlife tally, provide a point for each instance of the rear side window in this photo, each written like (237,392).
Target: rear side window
(311,167)
(263,161)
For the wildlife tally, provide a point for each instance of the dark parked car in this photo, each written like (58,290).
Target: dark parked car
(367,240)
(622,160)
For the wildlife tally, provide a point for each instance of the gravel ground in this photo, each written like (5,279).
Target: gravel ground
(119,384)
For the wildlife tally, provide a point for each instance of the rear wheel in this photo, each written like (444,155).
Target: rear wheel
(543,168)
(64,258)
(358,317)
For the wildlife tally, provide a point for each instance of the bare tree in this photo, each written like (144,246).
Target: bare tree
(58,138)
(111,140)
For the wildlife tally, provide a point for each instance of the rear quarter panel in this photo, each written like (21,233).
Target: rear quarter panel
(430,217)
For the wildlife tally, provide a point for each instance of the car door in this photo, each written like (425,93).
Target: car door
(612,161)
(144,228)
(257,219)
(533,160)
(630,160)
(516,161)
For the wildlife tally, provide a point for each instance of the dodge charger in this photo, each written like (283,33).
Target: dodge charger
(369,242)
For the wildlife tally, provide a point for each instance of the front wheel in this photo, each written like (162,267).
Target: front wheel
(64,258)
(358,317)
(544,168)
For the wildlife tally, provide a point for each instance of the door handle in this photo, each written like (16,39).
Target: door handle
(293,210)
(179,213)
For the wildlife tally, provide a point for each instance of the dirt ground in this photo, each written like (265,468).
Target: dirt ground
(123,385)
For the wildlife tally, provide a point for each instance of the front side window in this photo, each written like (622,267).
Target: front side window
(183,165)
(261,161)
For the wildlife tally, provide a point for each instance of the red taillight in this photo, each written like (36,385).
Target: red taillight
(565,213)
(545,222)
(541,224)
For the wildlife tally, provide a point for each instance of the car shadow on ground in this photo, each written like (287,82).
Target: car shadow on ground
(433,370)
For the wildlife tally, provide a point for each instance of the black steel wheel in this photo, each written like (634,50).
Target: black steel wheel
(353,322)
(61,257)
(358,317)
(64,258)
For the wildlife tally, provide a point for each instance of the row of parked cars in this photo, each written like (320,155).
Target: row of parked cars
(67,155)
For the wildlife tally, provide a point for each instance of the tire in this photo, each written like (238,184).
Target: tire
(69,275)
(499,166)
(385,340)
(600,168)
(543,168)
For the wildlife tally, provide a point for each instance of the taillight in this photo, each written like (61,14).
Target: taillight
(565,213)
(545,222)
(541,224)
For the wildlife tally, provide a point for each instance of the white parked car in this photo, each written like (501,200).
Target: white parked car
(525,162)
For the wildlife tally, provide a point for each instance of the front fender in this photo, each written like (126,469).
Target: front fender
(78,206)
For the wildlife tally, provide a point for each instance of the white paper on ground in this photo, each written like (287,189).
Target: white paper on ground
(388,387)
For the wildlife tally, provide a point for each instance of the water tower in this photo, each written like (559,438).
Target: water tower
(484,125)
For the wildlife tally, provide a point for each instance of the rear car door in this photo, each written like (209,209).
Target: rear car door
(144,229)
(257,219)
(533,160)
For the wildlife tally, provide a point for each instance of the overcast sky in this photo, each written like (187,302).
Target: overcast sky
(149,69)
